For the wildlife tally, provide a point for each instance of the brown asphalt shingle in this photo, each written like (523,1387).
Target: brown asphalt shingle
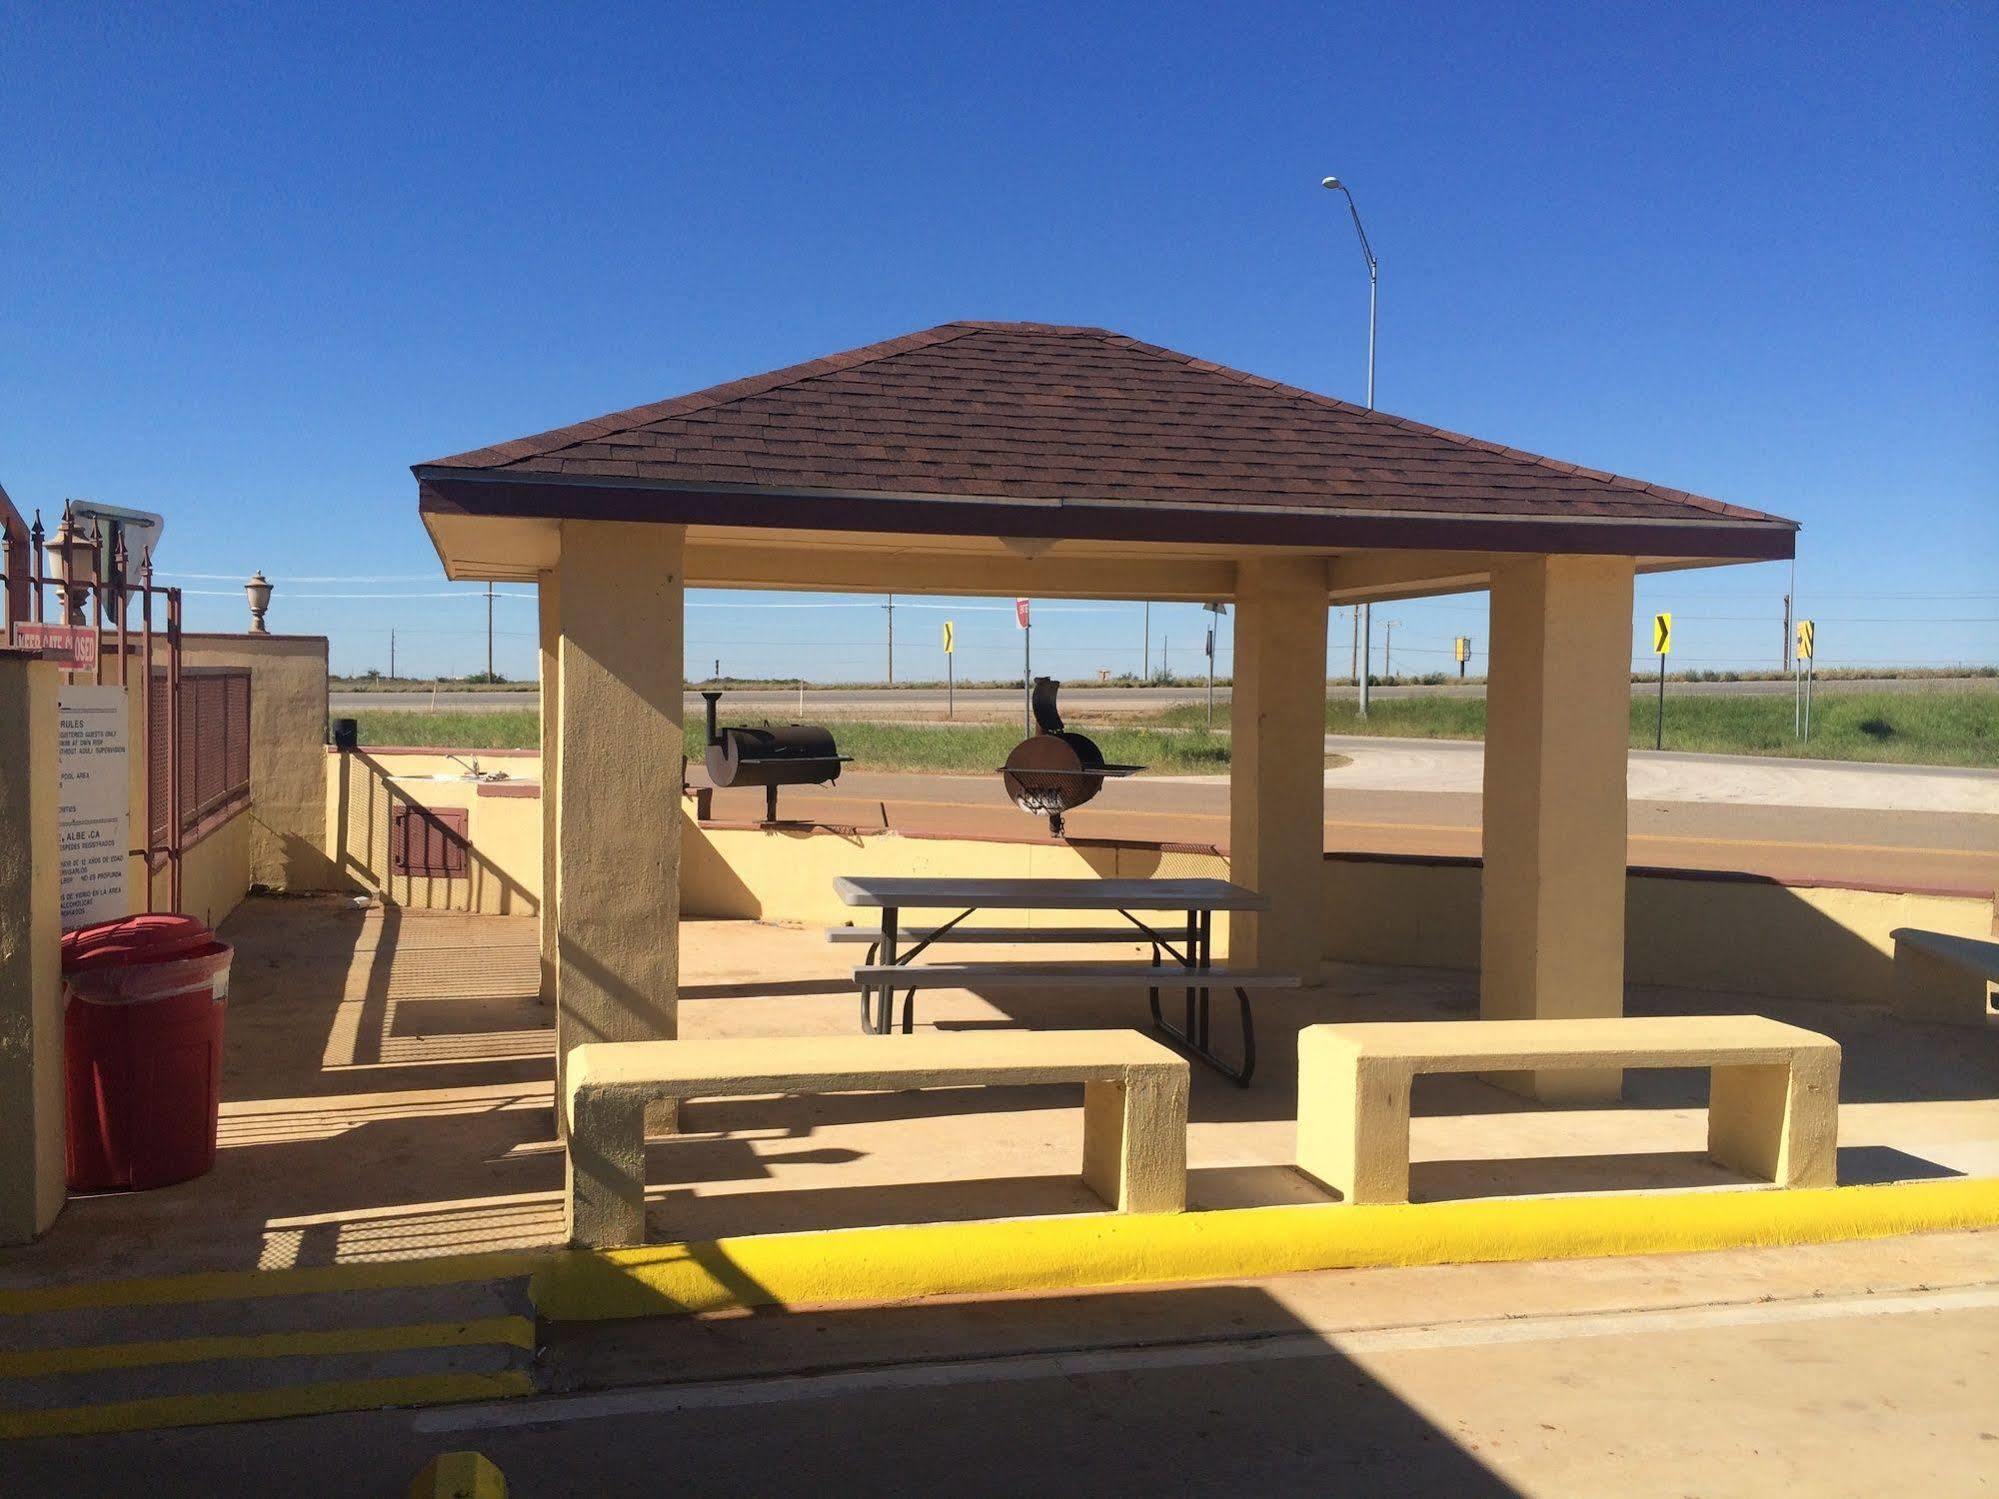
(1031,411)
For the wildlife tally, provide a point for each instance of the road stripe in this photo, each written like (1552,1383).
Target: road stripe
(264,1405)
(513,1332)
(786,1389)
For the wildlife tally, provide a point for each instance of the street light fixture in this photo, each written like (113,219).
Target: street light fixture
(72,558)
(257,589)
(1333,184)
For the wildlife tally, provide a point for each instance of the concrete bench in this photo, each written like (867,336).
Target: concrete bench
(1950,980)
(1194,1033)
(1134,1103)
(1773,1103)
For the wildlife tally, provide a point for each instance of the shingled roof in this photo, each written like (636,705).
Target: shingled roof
(1024,414)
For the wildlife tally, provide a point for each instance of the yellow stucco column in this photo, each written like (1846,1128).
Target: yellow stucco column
(1277,774)
(1558,712)
(31,1084)
(548,594)
(617,785)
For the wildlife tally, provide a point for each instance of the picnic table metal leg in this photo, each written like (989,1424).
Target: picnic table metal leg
(1192,959)
(885,1018)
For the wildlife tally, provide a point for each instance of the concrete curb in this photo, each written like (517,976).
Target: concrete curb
(1040,1254)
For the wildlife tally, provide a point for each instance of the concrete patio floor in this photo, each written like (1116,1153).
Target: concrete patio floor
(387,1095)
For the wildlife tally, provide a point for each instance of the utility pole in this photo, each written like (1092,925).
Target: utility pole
(1146,674)
(489,630)
(392,655)
(891,640)
(1387,649)
(1353,667)
(1784,646)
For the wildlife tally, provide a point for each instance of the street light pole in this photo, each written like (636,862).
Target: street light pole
(1373,286)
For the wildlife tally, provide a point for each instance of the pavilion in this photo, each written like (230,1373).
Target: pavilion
(1018,459)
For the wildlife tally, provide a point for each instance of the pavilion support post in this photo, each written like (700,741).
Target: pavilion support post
(617,787)
(548,592)
(32,1184)
(1277,777)
(1558,710)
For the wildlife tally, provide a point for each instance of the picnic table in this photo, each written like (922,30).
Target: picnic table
(1187,938)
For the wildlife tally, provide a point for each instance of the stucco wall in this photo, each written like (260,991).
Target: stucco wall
(31,1104)
(503,826)
(286,836)
(214,873)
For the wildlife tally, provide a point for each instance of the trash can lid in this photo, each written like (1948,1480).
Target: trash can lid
(154,938)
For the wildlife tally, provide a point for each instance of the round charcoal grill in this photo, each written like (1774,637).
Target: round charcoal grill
(1054,770)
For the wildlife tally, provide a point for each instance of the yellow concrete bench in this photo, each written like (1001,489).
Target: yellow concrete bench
(1134,1103)
(1773,1104)
(1938,977)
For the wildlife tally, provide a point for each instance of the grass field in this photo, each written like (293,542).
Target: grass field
(976,749)
(1915,728)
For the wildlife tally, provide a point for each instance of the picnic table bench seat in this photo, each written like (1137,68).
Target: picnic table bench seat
(1773,1101)
(1134,1103)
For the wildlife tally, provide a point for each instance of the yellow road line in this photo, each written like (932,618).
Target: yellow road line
(1041,1254)
(512,1332)
(263,1405)
(235,1285)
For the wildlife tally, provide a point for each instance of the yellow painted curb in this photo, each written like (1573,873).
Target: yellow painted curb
(243,1285)
(512,1332)
(263,1405)
(1038,1254)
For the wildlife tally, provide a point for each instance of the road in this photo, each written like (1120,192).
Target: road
(1800,820)
(1846,1369)
(1079,698)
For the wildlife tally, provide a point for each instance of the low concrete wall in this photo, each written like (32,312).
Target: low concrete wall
(786,874)
(1692,929)
(214,872)
(1689,928)
(503,826)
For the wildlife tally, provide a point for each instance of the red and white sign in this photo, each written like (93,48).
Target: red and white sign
(1020,613)
(76,643)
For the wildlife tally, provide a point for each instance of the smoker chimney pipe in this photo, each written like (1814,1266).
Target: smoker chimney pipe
(714,734)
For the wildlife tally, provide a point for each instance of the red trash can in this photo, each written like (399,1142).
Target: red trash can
(142,1036)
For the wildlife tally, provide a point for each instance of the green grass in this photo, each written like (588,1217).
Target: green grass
(1908,728)
(1911,728)
(972,750)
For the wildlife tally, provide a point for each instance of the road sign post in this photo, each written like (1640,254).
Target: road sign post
(1662,642)
(1021,618)
(1463,646)
(1807,649)
(950,670)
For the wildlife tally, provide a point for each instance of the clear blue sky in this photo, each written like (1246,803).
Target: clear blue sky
(258,260)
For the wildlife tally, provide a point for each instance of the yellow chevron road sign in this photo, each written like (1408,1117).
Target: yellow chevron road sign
(1662,634)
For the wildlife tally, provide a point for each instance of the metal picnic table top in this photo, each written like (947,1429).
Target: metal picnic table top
(896,891)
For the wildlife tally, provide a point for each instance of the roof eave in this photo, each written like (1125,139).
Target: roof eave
(520,495)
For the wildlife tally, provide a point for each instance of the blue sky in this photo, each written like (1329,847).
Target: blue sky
(259,260)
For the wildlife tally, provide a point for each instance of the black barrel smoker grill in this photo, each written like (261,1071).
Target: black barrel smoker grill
(799,754)
(1055,770)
